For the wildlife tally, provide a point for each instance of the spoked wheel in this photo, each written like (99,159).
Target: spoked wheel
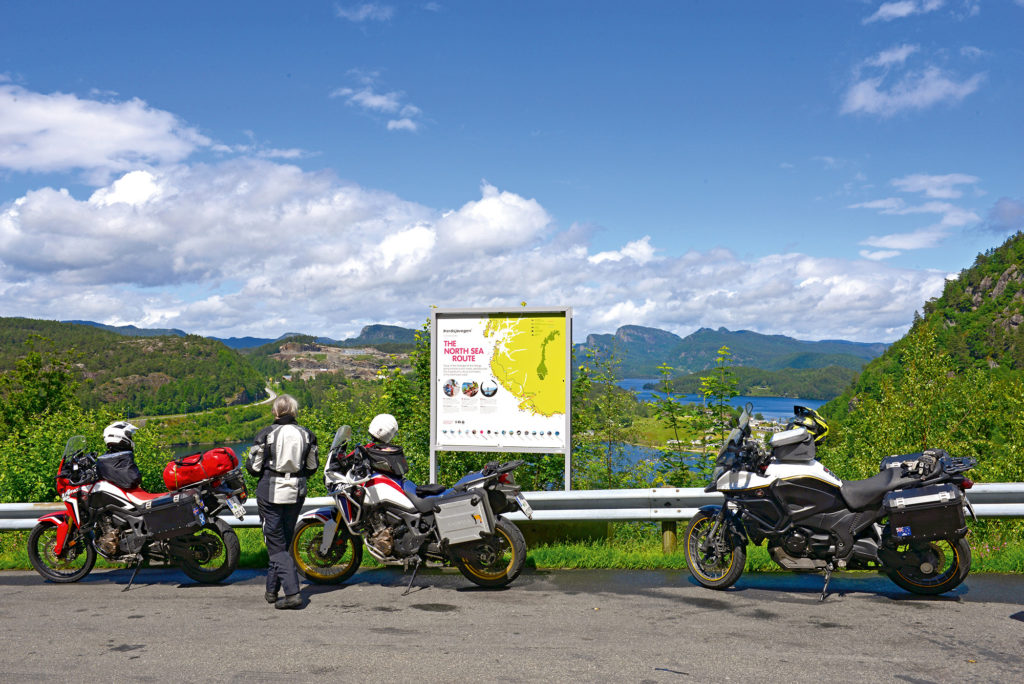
(75,563)
(494,561)
(937,566)
(340,561)
(209,555)
(712,557)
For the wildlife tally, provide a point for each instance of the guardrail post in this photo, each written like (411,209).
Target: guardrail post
(668,536)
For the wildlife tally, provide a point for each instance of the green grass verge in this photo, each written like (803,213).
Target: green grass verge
(632,546)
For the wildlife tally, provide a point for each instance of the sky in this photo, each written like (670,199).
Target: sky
(811,169)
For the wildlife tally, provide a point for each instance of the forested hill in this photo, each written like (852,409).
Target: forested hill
(641,350)
(978,322)
(148,375)
(811,383)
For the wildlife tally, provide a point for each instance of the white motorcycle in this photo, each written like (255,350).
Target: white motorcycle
(401,523)
(907,521)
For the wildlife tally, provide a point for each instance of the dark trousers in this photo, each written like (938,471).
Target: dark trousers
(278,529)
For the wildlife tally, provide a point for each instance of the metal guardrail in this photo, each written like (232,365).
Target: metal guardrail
(995,500)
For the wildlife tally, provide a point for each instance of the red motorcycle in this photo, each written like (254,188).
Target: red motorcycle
(109,514)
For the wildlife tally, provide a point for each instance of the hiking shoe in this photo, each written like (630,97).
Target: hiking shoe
(271,596)
(289,602)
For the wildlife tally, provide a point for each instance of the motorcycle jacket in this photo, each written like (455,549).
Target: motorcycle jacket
(283,456)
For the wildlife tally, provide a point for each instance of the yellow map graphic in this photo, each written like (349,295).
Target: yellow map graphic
(529,360)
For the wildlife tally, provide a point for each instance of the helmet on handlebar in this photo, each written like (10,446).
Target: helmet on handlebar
(383,427)
(118,436)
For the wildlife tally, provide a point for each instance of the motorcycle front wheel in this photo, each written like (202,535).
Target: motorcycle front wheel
(943,565)
(75,563)
(209,555)
(715,562)
(337,565)
(494,561)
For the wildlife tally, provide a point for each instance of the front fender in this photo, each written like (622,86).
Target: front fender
(732,520)
(322,514)
(60,520)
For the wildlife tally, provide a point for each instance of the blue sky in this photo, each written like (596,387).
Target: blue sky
(815,169)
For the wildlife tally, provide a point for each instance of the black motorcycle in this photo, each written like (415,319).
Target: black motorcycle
(907,521)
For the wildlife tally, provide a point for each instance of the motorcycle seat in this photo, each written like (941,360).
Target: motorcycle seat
(140,496)
(863,494)
(429,489)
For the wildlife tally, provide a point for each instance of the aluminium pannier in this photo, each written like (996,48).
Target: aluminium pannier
(464,517)
(926,513)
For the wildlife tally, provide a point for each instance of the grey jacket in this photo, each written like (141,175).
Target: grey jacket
(283,457)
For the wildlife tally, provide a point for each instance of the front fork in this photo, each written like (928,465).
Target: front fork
(330,516)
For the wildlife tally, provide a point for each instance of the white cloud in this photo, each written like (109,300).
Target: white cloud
(891,86)
(60,132)
(918,239)
(895,55)
(254,247)
(917,90)
(888,11)
(368,99)
(880,254)
(940,187)
(365,12)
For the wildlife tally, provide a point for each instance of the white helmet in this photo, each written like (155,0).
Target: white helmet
(384,427)
(119,435)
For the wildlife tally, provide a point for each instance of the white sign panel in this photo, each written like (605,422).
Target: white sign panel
(500,380)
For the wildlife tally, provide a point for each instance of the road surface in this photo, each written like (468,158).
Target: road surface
(592,625)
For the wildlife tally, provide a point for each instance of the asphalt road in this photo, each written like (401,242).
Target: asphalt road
(593,625)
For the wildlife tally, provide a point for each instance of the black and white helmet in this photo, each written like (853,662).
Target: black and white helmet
(119,436)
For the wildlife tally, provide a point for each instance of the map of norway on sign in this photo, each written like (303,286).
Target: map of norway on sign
(500,381)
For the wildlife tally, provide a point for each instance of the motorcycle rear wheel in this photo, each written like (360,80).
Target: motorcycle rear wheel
(337,565)
(75,563)
(951,563)
(212,554)
(717,567)
(495,561)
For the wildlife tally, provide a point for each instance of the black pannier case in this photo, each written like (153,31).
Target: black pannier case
(388,459)
(119,468)
(926,513)
(173,515)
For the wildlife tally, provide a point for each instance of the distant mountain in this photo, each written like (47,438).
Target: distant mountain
(132,331)
(146,374)
(378,334)
(978,321)
(641,350)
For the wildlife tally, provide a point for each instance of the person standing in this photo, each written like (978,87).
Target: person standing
(283,456)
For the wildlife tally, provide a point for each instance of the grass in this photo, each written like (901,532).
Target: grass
(632,546)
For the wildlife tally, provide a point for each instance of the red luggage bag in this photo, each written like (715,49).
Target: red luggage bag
(195,467)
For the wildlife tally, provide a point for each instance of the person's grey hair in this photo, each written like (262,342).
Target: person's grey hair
(285,405)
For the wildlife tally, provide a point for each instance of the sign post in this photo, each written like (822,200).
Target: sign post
(500,380)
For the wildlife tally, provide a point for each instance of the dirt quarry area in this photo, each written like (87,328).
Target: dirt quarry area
(305,361)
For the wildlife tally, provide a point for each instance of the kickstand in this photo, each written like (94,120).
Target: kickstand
(828,578)
(135,572)
(415,569)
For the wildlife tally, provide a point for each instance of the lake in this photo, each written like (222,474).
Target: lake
(775,408)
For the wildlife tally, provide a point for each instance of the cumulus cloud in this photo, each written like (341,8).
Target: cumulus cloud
(60,132)
(888,11)
(250,246)
(890,86)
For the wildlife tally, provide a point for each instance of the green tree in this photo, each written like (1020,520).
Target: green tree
(42,381)
(675,464)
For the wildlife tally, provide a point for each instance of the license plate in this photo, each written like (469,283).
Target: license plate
(236,508)
(526,508)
